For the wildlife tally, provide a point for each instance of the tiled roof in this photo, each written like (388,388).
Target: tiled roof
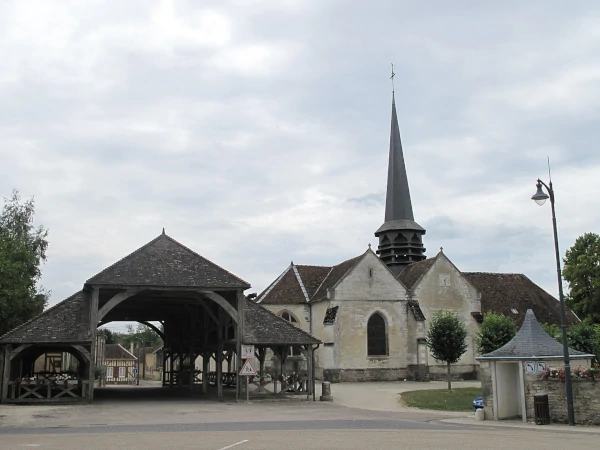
(504,292)
(294,285)
(285,290)
(166,262)
(412,272)
(530,341)
(65,322)
(263,327)
(138,352)
(335,275)
(116,351)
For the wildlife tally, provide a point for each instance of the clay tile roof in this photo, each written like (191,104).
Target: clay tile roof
(116,351)
(165,262)
(504,292)
(65,322)
(335,275)
(531,341)
(262,327)
(295,285)
(411,273)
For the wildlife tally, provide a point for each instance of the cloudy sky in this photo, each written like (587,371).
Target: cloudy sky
(256,132)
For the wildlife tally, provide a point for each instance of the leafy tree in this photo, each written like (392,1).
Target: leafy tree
(496,330)
(446,338)
(111,337)
(585,338)
(22,251)
(553,330)
(582,272)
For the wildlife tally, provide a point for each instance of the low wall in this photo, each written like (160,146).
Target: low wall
(586,399)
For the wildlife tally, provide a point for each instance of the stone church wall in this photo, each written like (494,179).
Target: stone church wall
(368,289)
(444,288)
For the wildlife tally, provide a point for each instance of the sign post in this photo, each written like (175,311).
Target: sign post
(247,371)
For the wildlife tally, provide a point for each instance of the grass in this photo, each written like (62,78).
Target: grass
(460,399)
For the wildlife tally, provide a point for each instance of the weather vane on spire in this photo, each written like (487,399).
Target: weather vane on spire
(392,77)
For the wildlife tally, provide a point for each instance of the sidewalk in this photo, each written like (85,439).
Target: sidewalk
(554,427)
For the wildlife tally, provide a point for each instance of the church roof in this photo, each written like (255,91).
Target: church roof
(262,327)
(531,341)
(412,272)
(165,262)
(512,294)
(398,205)
(117,351)
(296,285)
(65,322)
(335,275)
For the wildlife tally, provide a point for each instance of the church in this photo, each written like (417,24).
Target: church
(371,312)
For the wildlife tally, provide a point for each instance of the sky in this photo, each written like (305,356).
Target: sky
(257,132)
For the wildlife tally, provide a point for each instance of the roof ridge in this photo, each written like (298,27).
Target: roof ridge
(207,260)
(273,284)
(322,281)
(299,278)
(19,327)
(127,351)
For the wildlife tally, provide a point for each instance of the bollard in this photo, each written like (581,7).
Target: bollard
(326,392)
(479,415)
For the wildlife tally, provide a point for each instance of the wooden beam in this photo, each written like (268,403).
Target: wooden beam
(83,351)
(18,350)
(5,375)
(94,319)
(223,303)
(114,301)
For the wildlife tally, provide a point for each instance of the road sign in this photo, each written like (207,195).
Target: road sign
(247,351)
(135,371)
(248,370)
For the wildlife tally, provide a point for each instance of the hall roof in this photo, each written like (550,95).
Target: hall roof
(165,262)
(65,322)
(262,327)
(531,341)
(512,294)
(414,271)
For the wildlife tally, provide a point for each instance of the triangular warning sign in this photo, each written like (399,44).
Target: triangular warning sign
(247,369)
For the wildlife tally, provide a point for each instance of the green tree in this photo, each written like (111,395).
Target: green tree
(585,337)
(496,330)
(582,272)
(447,339)
(553,330)
(22,252)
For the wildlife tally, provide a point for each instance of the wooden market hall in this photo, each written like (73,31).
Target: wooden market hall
(204,314)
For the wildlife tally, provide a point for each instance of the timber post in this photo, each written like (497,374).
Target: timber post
(95,296)
(5,374)
(241,300)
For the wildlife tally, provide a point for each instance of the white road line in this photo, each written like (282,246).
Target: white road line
(233,445)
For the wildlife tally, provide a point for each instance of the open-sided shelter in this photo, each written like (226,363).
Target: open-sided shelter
(201,307)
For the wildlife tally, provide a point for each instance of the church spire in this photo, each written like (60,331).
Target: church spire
(400,237)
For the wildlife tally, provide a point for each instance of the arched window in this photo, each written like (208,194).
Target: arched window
(376,336)
(291,319)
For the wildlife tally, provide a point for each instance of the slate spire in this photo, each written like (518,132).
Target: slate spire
(397,202)
(400,237)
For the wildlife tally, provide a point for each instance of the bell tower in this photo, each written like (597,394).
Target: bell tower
(400,237)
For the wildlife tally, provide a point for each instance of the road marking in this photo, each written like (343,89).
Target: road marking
(30,445)
(233,445)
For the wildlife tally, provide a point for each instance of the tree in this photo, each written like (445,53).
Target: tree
(585,338)
(446,338)
(22,251)
(553,330)
(582,272)
(496,330)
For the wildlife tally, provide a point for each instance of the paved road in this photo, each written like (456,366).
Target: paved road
(316,439)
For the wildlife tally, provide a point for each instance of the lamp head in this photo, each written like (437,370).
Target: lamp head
(540,196)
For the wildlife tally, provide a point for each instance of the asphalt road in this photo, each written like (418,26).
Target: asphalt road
(346,439)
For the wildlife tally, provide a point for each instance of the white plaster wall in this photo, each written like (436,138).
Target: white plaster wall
(444,288)
(508,390)
(300,311)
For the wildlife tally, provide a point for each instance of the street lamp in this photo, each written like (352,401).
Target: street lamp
(540,198)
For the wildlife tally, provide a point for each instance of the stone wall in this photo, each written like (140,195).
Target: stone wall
(586,399)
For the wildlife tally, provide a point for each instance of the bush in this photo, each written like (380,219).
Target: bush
(496,330)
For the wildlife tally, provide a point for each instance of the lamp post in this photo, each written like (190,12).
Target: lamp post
(540,198)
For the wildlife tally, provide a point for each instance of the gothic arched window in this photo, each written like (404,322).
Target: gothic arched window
(287,316)
(376,336)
